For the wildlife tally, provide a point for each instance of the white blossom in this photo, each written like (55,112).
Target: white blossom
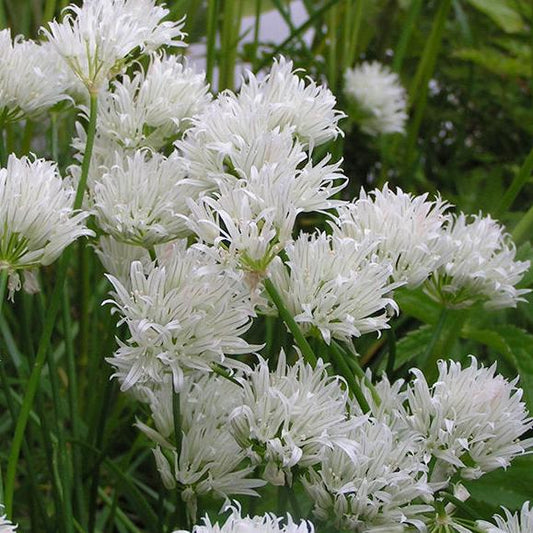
(30,83)
(97,38)
(512,523)
(185,313)
(287,416)
(37,220)
(6,526)
(374,483)
(139,200)
(380,98)
(209,460)
(408,229)
(480,265)
(268,523)
(471,419)
(335,286)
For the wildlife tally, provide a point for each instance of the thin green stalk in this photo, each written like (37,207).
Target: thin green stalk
(351,38)
(287,317)
(3,152)
(342,366)
(407,31)
(257,26)
(27,137)
(121,516)
(49,10)
(521,178)
(391,358)
(73,406)
(91,132)
(33,383)
(522,230)
(333,52)
(212,18)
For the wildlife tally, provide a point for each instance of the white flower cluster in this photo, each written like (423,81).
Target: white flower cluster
(380,98)
(30,83)
(96,39)
(268,523)
(512,523)
(185,313)
(6,526)
(37,219)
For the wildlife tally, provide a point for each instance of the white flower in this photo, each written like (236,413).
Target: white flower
(288,416)
(184,314)
(29,82)
(6,526)
(209,460)
(308,108)
(150,108)
(139,200)
(375,483)
(268,523)
(480,265)
(96,39)
(471,420)
(379,97)
(335,286)
(37,221)
(407,227)
(512,523)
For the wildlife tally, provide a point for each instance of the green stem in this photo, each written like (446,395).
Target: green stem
(351,39)
(342,366)
(33,383)
(287,317)
(523,229)
(91,133)
(212,17)
(407,30)
(518,182)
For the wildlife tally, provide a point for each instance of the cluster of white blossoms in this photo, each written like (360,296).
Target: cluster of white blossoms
(512,523)
(6,526)
(37,219)
(268,523)
(379,98)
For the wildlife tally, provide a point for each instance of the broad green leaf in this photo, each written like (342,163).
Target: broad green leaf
(412,345)
(496,61)
(510,488)
(502,13)
(418,305)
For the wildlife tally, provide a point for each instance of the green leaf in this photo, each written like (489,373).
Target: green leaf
(510,488)
(418,305)
(412,345)
(495,61)
(502,13)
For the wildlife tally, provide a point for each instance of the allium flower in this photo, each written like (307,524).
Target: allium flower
(287,416)
(376,483)
(379,97)
(268,523)
(152,107)
(37,221)
(480,265)
(512,523)
(6,526)
(209,460)
(470,419)
(407,227)
(184,314)
(97,38)
(335,286)
(139,200)
(29,81)
(307,107)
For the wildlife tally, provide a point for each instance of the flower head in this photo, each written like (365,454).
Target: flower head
(6,526)
(512,523)
(97,38)
(336,286)
(373,482)
(480,265)
(139,200)
(287,416)
(407,228)
(471,419)
(185,313)
(37,221)
(30,83)
(379,97)
(268,523)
